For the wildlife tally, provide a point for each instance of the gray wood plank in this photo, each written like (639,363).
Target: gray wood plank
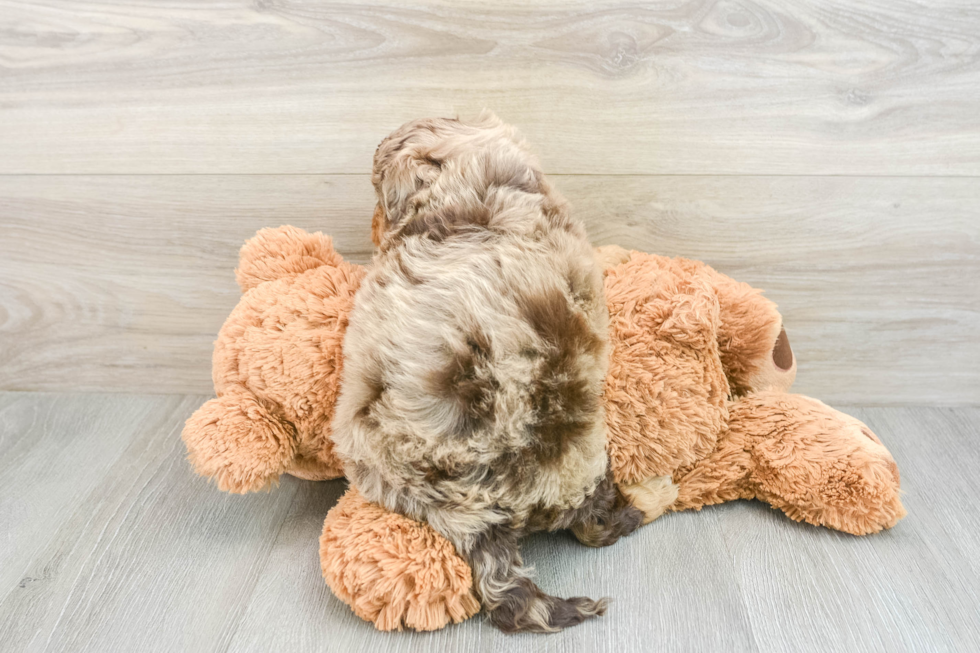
(769,87)
(936,449)
(55,450)
(122,548)
(667,582)
(913,588)
(114,283)
(121,283)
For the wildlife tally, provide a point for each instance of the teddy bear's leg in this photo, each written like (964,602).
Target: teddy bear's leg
(393,571)
(238,442)
(814,463)
(819,465)
(753,346)
(721,476)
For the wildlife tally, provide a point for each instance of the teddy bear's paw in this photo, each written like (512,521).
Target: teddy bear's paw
(754,346)
(235,441)
(393,571)
(858,491)
(652,497)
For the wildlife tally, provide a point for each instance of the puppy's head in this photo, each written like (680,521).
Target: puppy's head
(445,165)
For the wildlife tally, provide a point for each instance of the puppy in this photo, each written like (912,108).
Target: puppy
(474,362)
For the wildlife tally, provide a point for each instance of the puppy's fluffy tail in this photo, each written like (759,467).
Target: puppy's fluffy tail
(512,601)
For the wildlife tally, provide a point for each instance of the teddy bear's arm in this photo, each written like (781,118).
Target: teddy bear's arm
(238,442)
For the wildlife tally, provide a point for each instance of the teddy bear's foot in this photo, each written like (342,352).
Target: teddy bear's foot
(393,571)
(817,464)
(236,441)
(754,348)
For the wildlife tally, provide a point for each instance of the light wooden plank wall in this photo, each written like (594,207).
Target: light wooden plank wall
(122,282)
(668,87)
(827,151)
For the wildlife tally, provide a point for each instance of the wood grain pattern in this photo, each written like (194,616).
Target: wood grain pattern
(111,543)
(881,593)
(120,283)
(672,86)
(827,151)
(673,568)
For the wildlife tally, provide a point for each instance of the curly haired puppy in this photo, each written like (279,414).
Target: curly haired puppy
(475,358)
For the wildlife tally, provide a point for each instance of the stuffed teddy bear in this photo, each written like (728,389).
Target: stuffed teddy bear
(696,405)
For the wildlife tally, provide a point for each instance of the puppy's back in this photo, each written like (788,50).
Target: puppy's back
(475,357)
(476,368)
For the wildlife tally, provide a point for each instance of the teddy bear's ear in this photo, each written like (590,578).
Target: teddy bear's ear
(276,253)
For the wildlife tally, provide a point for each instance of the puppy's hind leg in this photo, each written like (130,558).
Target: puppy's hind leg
(606,516)
(512,601)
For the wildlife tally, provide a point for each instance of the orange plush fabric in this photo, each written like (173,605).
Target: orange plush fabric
(696,400)
(276,365)
(814,463)
(393,571)
(665,392)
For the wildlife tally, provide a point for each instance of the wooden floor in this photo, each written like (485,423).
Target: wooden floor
(827,151)
(112,544)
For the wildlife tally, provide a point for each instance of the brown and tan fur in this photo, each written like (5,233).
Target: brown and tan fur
(475,359)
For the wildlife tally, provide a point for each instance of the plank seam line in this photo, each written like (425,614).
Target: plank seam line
(287,512)
(551,174)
